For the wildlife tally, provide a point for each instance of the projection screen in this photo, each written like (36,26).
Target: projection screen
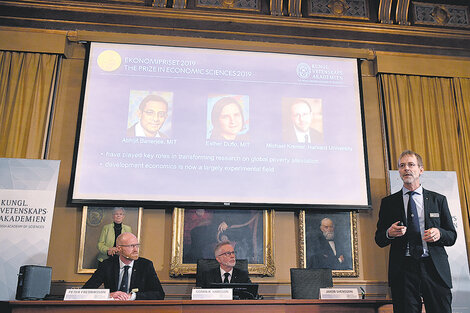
(189,126)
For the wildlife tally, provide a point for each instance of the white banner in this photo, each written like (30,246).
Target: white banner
(446,183)
(27,196)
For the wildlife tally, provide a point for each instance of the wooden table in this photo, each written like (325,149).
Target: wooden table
(198,306)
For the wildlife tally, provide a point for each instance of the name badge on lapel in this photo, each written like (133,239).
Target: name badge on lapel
(433,214)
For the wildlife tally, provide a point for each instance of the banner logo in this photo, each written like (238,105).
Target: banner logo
(303,70)
(109,60)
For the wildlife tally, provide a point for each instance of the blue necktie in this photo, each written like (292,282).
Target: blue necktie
(413,231)
(125,279)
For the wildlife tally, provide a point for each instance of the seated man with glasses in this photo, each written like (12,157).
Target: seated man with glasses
(152,114)
(225,273)
(126,275)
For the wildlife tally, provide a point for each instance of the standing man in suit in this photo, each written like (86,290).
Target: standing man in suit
(127,276)
(226,272)
(152,114)
(299,129)
(417,223)
(327,251)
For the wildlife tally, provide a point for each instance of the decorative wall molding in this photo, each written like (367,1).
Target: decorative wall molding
(276,7)
(350,9)
(242,5)
(237,25)
(295,8)
(385,11)
(441,14)
(160,3)
(402,12)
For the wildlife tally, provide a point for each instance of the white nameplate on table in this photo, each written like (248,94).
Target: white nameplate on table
(339,293)
(212,294)
(87,294)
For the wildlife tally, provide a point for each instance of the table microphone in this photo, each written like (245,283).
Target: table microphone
(363,293)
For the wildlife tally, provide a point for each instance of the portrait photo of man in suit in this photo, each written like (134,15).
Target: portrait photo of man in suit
(226,272)
(418,225)
(126,275)
(205,228)
(151,114)
(302,121)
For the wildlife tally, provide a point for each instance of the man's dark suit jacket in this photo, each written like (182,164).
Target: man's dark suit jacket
(214,276)
(322,255)
(289,135)
(436,214)
(143,277)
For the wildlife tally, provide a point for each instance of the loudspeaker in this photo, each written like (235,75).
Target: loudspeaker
(34,282)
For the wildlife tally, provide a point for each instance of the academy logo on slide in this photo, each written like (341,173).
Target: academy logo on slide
(109,60)
(303,70)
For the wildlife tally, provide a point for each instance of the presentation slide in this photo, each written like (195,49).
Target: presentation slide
(190,126)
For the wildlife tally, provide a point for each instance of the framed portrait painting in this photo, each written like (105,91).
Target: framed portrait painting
(196,232)
(329,240)
(97,234)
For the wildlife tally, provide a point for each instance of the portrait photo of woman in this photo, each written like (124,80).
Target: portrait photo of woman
(109,233)
(99,230)
(228,118)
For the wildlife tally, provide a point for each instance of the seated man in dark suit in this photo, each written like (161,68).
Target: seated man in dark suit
(127,276)
(226,273)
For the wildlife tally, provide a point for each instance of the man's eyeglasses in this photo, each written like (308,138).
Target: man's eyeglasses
(228,253)
(137,245)
(410,164)
(159,114)
(301,115)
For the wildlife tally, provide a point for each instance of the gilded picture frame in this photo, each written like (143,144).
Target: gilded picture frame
(315,248)
(196,231)
(94,220)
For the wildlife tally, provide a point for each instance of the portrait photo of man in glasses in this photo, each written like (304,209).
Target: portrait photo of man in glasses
(152,114)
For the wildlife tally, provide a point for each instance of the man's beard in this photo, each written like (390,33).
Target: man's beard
(329,235)
(230,263)
(130,256)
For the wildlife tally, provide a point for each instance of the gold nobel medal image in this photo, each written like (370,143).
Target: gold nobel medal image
(109,60)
